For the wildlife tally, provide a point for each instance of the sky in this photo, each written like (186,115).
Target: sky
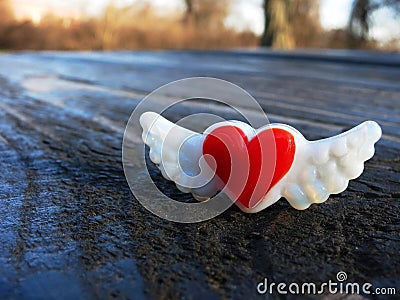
(245,14)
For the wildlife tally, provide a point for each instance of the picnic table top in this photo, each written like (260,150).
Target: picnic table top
(70,226)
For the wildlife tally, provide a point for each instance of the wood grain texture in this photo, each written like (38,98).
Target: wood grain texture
(70,227)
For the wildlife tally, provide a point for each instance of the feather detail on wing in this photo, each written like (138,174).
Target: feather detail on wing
(177,152)
(324,167)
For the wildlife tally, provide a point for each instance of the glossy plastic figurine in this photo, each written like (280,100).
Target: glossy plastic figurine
(256,167)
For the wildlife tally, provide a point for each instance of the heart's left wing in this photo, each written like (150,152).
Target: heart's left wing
(177,152)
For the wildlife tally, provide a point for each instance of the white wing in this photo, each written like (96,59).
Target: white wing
(323,167)
(177,152)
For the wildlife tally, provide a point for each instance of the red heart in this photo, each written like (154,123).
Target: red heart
(256,165)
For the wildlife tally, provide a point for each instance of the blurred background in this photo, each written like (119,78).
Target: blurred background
(199,24)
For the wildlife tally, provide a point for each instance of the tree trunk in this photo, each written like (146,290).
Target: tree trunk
(268,35)
(277,29)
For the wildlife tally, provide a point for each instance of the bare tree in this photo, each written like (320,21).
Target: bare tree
(291,23)
(277,30)
(189,13)
(305,22)
(109,25)
(206,15)
(360,18)
(6,13)
(113,18)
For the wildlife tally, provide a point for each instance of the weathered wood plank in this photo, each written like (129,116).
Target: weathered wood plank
(70,226)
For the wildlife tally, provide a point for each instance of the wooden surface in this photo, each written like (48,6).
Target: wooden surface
(70,227)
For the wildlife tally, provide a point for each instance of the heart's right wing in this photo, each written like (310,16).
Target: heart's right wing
(323,167)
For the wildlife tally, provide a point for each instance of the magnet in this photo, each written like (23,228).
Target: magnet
(257,167)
